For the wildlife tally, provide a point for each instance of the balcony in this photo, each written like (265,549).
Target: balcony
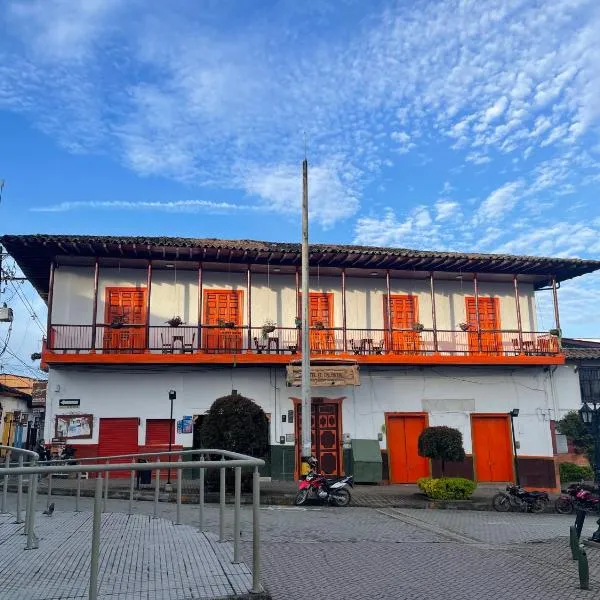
(214,344)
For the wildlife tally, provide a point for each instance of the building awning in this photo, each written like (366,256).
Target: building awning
(34,253)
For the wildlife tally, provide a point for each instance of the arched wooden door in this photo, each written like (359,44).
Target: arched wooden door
(326,429)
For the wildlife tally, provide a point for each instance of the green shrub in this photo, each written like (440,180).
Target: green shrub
(441,443)
(571,472)
(237,424)
(447,488)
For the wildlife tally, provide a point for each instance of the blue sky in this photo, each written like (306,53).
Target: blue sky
(461,125)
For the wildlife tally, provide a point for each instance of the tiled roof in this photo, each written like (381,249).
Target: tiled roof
(582,353)
(35,252)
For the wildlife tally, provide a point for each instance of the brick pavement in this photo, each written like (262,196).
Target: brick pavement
(139,558)
(356,553)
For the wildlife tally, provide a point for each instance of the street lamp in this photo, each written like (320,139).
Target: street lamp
(172,397)
(515,413)
(591,418)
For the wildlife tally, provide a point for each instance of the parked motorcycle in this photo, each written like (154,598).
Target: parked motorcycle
(521,499)
(577,497)
(316,486)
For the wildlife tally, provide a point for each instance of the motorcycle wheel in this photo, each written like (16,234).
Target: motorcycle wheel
(563,506)
(301,497)
(341,497)
(539,506)
(501,503)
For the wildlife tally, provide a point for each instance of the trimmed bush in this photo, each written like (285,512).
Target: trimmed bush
(237,424)
(570,472)
(442,443)
(447,488)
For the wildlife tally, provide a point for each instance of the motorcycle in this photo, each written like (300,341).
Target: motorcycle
(577,497)
(525,501)
(316,486)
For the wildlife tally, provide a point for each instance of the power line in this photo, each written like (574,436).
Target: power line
(28,367)
(30,308)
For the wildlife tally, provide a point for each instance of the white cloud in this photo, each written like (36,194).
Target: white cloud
(182,206)
(446,209)
(500,202)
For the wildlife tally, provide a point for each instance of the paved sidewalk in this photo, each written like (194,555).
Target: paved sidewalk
(140,557)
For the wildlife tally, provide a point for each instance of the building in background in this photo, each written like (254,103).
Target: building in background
(400,339)
(15,413)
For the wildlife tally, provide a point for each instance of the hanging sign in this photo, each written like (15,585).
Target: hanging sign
(324,376)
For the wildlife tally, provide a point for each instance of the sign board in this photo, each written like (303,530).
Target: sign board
(324,375)
(69,402)
(38,393)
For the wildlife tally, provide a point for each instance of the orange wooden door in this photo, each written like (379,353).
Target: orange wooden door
(492,448)
(222,307)
(405,464)
(489,322)
(404,314)
(320,308)
(125,307)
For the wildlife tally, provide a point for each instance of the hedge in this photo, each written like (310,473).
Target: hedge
(447,488)
(571,472)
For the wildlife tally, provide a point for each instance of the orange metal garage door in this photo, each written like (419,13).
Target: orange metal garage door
(492,447)
(118,436)
(406,466)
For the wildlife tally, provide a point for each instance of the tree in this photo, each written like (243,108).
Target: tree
(442,443)
(575,429)
(237,424)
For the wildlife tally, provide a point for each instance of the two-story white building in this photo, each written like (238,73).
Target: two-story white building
(436,337)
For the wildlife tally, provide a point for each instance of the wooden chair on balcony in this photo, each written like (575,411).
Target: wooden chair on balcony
(189,347)
(167,348)
(260,348)
(358,348)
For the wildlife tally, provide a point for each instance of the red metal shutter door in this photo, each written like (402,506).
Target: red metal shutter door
(118,436)
(157,432)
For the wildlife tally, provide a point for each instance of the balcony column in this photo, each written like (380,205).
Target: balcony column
(555,301)
(298,308)
(200,298)
(388,306)
(518,306)
(95,303)
(344,334)
(148,294)
(476,292)
(249,305)
(433,313)
(50,337)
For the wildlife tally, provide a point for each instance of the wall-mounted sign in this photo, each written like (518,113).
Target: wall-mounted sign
(74,426)
(185,425)
(325,376)
(289,437)
(69,402)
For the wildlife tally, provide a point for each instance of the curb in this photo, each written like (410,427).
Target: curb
(274,499)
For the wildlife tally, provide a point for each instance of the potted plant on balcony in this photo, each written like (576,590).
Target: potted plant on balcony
(117,322)
(298,322)
(418,327)
(555,332)
(464,326)
(226,324)
(319,325)
(268,327)
(175,321)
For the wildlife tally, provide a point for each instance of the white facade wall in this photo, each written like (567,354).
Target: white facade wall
(274,297)
(449,394)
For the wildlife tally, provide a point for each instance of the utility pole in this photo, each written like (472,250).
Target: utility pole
(306,396)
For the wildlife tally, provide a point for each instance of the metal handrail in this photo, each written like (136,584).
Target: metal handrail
(145,454)
(236,461)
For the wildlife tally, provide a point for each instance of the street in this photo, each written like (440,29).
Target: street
(357,553)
